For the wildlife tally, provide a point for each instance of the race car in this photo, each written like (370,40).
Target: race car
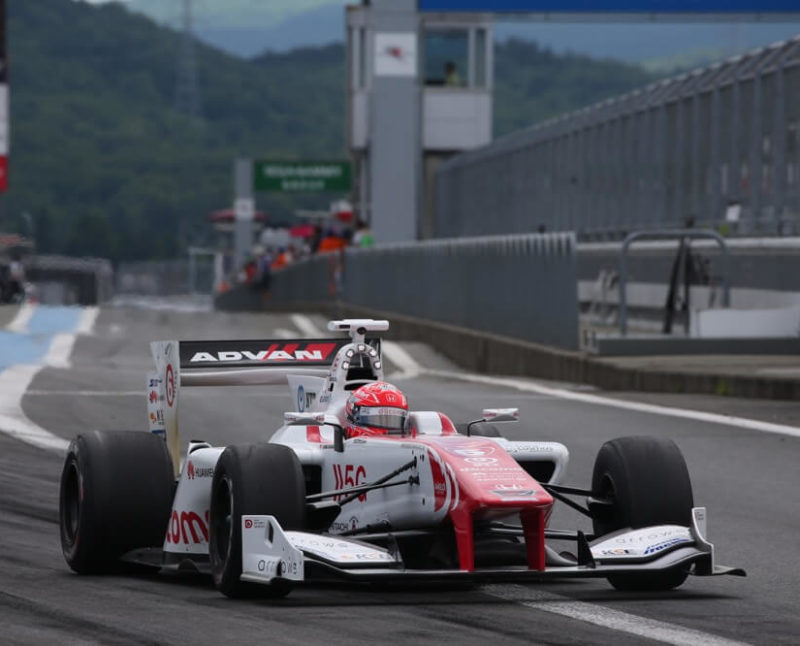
(354,485)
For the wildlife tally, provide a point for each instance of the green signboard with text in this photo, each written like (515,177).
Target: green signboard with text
(301,177)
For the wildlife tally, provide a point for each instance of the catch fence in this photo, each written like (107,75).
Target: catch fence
(718,147)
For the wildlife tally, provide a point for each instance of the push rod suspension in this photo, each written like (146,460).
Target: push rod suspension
(352,493)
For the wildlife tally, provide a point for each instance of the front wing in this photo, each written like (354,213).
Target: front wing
(270,553)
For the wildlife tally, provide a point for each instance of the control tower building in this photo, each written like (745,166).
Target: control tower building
(419,90)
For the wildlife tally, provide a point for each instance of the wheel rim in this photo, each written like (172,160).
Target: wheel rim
(608,519)
(71,504)
(223,527)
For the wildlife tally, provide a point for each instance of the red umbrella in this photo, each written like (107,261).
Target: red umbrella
(229,215)
(302,231)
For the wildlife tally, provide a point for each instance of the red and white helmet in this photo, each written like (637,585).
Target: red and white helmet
(379,406)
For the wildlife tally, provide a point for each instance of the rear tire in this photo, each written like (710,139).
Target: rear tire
(648,483)
(115,495)
(252,479)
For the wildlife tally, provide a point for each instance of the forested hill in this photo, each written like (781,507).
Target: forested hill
(106,167)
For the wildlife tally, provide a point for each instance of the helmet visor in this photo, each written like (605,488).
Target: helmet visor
(386,417)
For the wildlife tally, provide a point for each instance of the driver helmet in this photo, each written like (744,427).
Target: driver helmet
(377,408)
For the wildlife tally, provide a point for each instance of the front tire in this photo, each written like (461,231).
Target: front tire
(252,479)
(647,483)
(115,495)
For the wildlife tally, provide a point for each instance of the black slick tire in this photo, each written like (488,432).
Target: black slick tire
(115,495)
(252,479)
(647,482)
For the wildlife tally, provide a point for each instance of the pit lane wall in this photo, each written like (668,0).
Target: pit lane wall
(521,286)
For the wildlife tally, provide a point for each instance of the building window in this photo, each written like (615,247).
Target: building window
(447,57)
(481,58)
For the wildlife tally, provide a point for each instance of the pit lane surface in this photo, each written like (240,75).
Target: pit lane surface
(748,481)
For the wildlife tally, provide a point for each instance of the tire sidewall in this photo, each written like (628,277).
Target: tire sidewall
(125,487)
(264,479)
(648,483)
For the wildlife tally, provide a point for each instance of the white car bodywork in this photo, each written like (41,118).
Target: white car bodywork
(436,473)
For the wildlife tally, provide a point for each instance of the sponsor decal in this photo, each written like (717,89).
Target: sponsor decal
(187,527)
(528,448)
(439,485)
(513,491)
(304,399)
(658,547)
(365,556)
(313,352)
(170,385)
(349,475)
(277,567)
(248,524)
(193,472)
(481,461)
(652,537)
(619,551)
(340,550)
(471,453)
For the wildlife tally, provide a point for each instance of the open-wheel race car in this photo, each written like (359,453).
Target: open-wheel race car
(355,486)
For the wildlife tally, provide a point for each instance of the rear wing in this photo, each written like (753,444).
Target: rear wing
(229,363)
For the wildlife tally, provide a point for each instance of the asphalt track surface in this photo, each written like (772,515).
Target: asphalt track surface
(748,480)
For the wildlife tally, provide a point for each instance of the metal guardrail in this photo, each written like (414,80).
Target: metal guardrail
(673,234)
(521,286)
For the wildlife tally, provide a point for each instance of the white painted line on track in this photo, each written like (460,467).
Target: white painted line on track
(62,344)
(597,615)
(14,381)
(284,334)
(305,325)
(87,320)
(654,409)
(394,352)
(60,351)
(20,322)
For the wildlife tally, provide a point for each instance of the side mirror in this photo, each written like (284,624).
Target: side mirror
(495,415)
(304,419)
(501,414)
(319,419)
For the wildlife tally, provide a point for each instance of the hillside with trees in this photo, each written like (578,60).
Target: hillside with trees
(105,166)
